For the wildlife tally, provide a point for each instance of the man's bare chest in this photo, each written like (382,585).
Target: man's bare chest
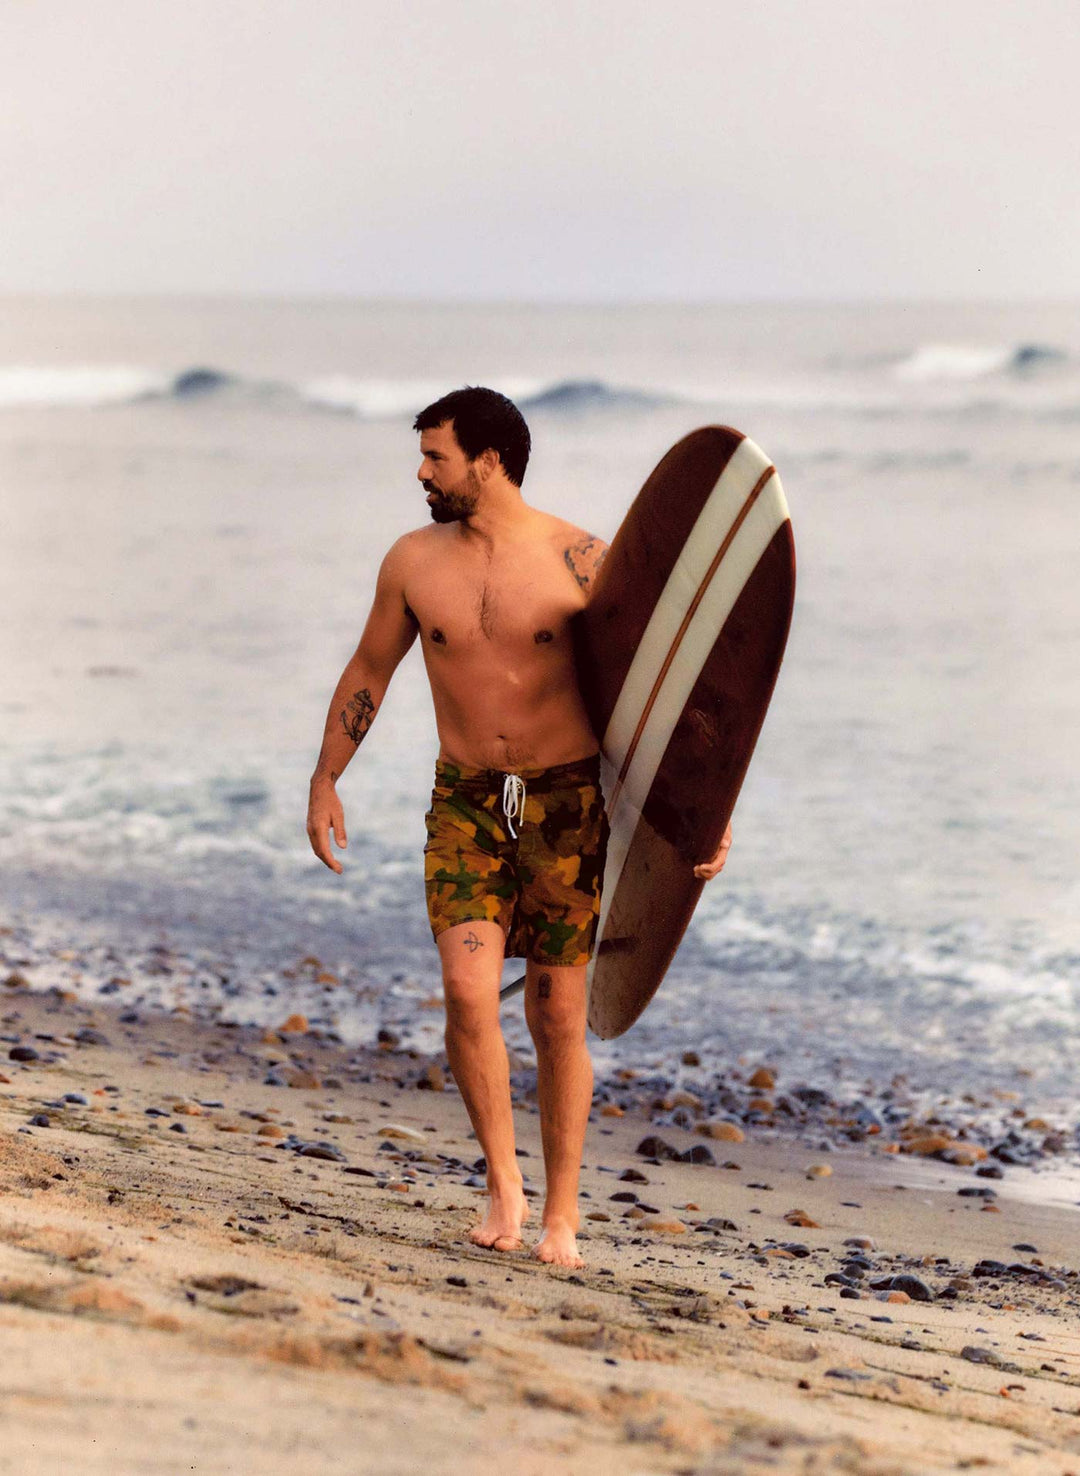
(522,600)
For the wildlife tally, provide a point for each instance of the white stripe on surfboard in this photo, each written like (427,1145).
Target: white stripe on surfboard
(714,521)
(728,499)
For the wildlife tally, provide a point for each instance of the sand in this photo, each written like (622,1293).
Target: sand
(217,1300)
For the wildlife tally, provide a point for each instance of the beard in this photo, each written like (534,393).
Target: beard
(457,503)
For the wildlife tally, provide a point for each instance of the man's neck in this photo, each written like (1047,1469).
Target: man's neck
(501,517)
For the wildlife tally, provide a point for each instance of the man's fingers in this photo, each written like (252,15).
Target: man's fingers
(337,824)
(320,844)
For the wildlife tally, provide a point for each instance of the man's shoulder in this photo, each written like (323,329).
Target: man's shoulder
(582,552)
(416,544)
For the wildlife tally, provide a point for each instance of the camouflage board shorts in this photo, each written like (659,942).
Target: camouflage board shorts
(542,885)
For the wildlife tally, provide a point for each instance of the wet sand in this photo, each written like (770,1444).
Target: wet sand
(225,1249)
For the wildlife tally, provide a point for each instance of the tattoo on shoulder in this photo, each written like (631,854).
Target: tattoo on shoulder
(584,559)
(358,714)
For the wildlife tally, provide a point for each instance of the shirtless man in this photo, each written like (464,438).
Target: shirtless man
(516,832)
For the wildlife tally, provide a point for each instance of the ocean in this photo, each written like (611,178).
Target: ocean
(196,495)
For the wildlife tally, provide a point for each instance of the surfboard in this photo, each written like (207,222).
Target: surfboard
(678,652)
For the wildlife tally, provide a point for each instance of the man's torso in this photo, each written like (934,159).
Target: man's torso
(495,628)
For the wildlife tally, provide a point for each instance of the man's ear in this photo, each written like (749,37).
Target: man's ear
(488,463)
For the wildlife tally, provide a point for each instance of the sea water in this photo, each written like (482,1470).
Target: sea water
(196,495)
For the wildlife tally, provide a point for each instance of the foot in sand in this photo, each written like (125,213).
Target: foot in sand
(558,1243)
(500,1228)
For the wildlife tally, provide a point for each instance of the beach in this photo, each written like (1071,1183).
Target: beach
(832,1176)
(228,1248)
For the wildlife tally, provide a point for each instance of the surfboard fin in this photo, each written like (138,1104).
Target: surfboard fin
(509,990)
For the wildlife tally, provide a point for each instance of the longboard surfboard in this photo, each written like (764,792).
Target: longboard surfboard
(678,652)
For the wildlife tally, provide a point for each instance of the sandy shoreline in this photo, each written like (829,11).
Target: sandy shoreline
(203,1270)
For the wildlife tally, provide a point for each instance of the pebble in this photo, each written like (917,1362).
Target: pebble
(23,1053)
(322,1150)
(654,1147)
(763,1078)
(303,1081)
(698,1154)
(40,1120)
(726,1132)
(632,1176)
(399,1130)
(819,1171)
(89,1036)
(915,1288)
(801,1219)
(294,1025)
(662,1226)
(270,1130)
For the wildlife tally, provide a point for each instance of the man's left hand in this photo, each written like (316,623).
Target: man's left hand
(708,869)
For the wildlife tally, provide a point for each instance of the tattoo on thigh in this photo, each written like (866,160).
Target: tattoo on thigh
(358,714)
(472,942)
(543,986)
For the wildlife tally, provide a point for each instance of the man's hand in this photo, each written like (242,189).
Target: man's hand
(325,814)
(708,869)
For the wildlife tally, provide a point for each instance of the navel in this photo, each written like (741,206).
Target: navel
(542,637)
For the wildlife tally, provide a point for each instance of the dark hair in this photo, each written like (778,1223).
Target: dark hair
(483,419)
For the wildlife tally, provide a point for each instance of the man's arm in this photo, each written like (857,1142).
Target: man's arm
(583,556)
(388,634)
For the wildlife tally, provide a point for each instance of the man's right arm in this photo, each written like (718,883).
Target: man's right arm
(388,634)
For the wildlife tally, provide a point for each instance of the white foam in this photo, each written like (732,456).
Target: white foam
(954,361)
(381,399)
(25,386)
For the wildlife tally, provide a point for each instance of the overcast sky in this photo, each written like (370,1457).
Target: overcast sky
(542,149)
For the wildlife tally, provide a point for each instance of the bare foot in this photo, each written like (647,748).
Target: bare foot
(500,1228)
(558,1244)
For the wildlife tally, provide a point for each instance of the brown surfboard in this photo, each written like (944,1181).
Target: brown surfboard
(678,652)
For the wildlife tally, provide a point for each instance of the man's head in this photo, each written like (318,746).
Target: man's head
(466,438)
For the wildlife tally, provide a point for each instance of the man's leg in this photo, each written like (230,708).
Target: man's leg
(555,1011)
(472,957)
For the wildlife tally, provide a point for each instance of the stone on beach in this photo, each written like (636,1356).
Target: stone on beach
(726,1132)
(399,1130)
(294,1025)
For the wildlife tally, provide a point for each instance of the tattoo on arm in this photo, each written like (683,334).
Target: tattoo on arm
(472,942)
(358,714)
(543,986)
(584,559)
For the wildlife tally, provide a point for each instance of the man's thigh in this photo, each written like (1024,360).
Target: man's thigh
(472,958)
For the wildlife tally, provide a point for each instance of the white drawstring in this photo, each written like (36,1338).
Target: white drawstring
(513,801)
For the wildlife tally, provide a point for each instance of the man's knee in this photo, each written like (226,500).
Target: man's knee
(555,1009)
(472,1004)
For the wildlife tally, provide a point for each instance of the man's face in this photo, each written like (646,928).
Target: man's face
(447,475)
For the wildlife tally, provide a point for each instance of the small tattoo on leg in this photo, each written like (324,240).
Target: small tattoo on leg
(543,986)
(472,942)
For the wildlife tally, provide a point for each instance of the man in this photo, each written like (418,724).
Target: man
(516,830)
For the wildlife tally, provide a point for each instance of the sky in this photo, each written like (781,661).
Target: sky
(618,150)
